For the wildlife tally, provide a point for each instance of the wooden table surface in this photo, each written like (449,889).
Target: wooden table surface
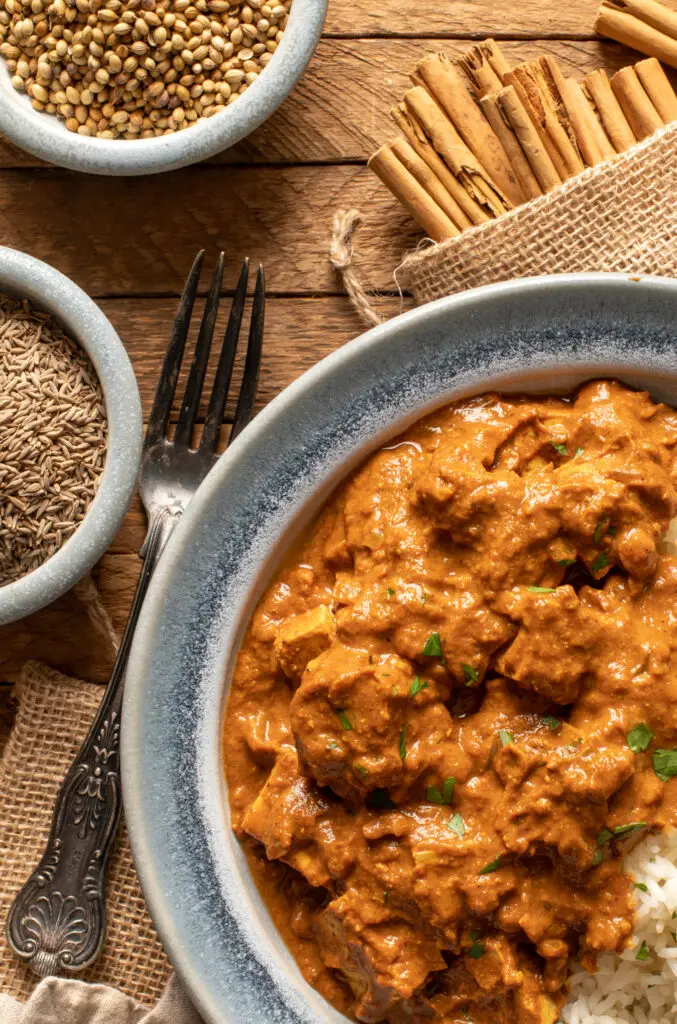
(129,242)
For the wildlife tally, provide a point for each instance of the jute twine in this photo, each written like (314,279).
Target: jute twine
(619,216)
(341,258)
(53,716)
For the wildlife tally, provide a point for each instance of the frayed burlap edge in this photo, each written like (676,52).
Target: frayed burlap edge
(618,216)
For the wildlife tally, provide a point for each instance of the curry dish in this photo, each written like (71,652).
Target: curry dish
(455,709)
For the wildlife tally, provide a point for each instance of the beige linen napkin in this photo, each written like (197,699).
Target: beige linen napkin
(52,716)
(64,1001)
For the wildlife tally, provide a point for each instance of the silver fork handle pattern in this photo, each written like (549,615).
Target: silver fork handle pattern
(57,920)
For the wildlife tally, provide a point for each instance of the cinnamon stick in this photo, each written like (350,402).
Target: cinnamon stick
(658,88)
(497,59)
(412,195)
(537,87)
(448,87)
(530,140)
(427,178)
(592,139)
(643,117)
(476,65)
(601,95)
(644,25)
(470,210)
(453,150)
(511,145)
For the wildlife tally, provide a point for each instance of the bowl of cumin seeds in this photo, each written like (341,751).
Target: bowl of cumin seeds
(70,434)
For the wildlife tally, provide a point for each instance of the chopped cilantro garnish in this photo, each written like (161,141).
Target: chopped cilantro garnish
(618,832)
(448,790)
(597,859)
(441,796)
(494,866)
(625,830)
(333,745)
(470,674)
(579,451)
(641,886)
(599,529)
(561,449)
(390,591)
(361,771)
(600,562)
(457,825)
(433,647)
(417,685)
(566,562)
(551,722)
(665,764)
(477,950)
(643,952)
(639,738)
(542,590)
(403,742)
(505,737)
(344,720)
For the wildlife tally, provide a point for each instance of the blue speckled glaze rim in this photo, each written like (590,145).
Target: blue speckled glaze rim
(49,290)
(48,138)
(540,335)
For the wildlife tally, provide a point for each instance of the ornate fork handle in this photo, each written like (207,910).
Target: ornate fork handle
(57,920)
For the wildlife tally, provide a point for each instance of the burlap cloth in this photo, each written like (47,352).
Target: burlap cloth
(618,216)
(53,715)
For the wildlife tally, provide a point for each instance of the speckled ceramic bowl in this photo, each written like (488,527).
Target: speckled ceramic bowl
(81,318)
(46,137)
(542,335)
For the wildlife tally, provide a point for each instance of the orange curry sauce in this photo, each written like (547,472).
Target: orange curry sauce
(443,727)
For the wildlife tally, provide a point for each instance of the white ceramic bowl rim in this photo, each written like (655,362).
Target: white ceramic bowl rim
(541,335)
(81,318)
(46,137)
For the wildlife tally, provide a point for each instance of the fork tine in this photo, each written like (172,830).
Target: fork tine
(217,401)
(164,396)
(245,402)
(198,369)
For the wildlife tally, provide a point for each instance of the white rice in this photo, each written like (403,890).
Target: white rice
(626,990)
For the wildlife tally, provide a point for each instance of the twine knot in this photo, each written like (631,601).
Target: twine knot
(341,257)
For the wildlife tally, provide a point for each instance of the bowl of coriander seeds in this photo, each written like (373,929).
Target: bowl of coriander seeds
(127,87)
(70,434)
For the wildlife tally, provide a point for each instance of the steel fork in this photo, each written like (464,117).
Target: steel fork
(57,920)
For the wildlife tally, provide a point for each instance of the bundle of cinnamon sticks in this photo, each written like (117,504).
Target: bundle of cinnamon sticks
(646,25)
(480,137)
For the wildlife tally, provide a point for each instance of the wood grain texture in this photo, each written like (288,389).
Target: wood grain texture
(574,19)
(298,333)
(63,635)
(369,75)
(138,236)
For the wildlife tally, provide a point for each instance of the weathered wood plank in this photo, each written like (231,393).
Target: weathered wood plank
(368,75)
(138,236)
(63,635)
(299,332)
(465,18)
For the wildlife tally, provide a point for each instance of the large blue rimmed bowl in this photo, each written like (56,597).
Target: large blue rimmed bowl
(541,335)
